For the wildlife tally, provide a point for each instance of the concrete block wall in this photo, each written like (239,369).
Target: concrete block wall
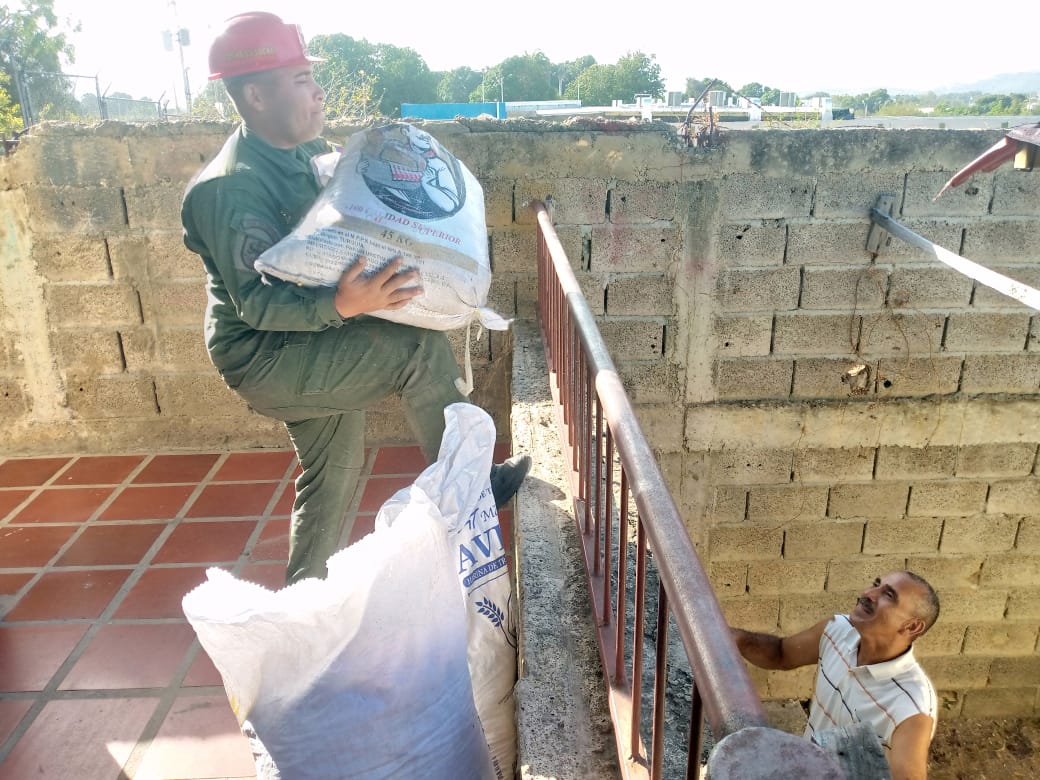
(821,414)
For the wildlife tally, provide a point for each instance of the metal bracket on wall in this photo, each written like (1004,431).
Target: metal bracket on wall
(878,238)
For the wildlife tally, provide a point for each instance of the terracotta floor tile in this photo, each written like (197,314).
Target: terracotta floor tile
(270,575)
(363,526)
(29,472)
(88,739)
(273,543)
(204,542)
(159,592)
(241,499)
(202,672)
(63,505)
(176,468)
(111,545)
(148,503)
(131,656)
(12,583)
(99,470)
(254,466)
(9,499)
(68,595)
(24,547)
(32,654)
(399,460)
(11,713)
(199,738)
(284,506)
(379,489)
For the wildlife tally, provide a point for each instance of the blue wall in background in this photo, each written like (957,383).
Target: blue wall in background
(451,110)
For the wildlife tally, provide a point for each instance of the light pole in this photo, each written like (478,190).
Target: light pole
(483,77)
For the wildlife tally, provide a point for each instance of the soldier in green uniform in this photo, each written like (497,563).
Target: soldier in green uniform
(306,356)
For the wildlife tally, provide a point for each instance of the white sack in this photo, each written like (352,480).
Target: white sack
(459,484)
(362,675)
(396,191)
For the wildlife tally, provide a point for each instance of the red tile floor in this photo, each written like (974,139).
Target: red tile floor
(100,673)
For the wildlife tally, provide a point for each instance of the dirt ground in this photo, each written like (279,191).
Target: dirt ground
(985,750)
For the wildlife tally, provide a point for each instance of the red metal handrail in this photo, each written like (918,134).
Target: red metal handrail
(589,393)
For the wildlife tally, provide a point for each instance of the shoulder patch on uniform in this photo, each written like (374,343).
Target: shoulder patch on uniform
(252,238)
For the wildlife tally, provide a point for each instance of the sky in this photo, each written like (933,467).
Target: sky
(800,46)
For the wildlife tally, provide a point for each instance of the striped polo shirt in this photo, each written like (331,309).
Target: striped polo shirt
(883,694)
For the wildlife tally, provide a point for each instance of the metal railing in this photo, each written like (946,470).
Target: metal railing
(601,434)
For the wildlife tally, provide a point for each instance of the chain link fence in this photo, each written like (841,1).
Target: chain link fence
(64,97)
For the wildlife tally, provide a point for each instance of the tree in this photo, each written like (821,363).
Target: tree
(770,97)
(528,77)
(347,75)
(401,76)
(214,103)
(595,86)
(752,90)
(638,73)
(457,86)
(696,87)
(566,72)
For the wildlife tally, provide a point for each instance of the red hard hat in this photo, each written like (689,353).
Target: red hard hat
(254,42)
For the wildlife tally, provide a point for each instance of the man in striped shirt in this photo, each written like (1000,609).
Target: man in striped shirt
(866,668)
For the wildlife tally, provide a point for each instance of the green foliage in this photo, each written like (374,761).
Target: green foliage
(214,103)
(694,87)
(30,46)
(770,97)
(599,85)
(566,72)
(457,86)
(528,77)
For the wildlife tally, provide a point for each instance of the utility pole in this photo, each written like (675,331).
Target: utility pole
(183,39)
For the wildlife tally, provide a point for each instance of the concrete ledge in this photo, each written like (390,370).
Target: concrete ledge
(563,722)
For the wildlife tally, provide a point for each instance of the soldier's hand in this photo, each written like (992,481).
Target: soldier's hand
(390,288)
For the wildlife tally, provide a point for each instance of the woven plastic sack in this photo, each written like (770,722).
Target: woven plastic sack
(362,675)
(395,191)
(459,484)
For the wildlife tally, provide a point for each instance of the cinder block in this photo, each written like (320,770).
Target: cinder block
(527,295)
(754,290)
(175,150)
(785,576)
(947,499)
(916,462)
(155,206)
(1014,373)
(498,201)
(634,248)
(14,402)
(633,339)
(996,460)
(10,357)
(945,233)
(744,543)
(855,574)
(100,396)
(728,579)
(158,254)
(972,605)
(947,571)
(1001,241)
(823,541)
(88,351)
(901,333)
(750,467)
(662,426)
(1011,570)
(988,298)
(944,638)
(1033,343)
(830,377)
(1002,639)
(729,505)
(988,421)
(828,243)
(743,378)
(1028,538)
(754,196)
(787,504)
(901,536)
(513,250)
(650,381)
(174,303)
(574,201)
(918,376)
(71,259)
(758,243)
(86,305)
(182,349)
(844,289)
(791,684)
(502,295)
(958,672)
(649,294)
(743,336)
(816,334)
(801,610)
(92,211)
(631,202)
(1015,193)
(987,331)
(576,242)
(842,195)
(869,499)
(923,186)
(202,394)
(1014,496)
(1023,604)
(1009,672)
(751,614)
(826,465)
(928,287)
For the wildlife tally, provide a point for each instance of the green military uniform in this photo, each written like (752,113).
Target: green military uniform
(286,350)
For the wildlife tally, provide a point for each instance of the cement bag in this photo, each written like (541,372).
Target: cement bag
(361,675)
(459,484)
(395,191)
